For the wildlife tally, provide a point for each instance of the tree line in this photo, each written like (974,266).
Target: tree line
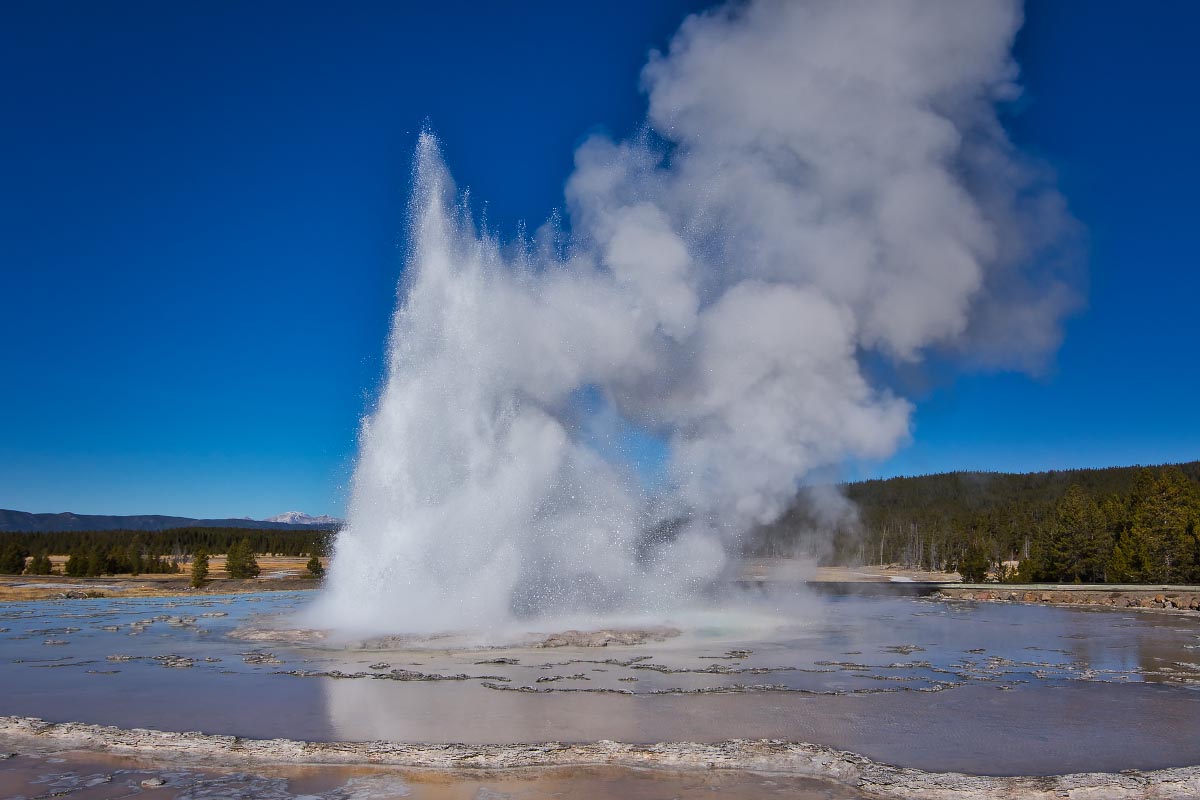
(151,552)
(1115,525)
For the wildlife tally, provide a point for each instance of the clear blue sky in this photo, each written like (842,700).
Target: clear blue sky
(202,220)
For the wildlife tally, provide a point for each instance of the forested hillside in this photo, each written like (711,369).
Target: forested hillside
(1121,524)
(125,551)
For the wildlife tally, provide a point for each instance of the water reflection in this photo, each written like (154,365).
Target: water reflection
(973,686)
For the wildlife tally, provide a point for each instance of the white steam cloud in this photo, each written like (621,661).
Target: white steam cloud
(819,183)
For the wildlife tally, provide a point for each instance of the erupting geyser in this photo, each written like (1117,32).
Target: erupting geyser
(588,421)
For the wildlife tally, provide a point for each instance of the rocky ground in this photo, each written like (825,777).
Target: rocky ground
(866,777)
(1178,598)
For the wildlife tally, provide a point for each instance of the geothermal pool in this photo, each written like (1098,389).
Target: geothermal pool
(987,688)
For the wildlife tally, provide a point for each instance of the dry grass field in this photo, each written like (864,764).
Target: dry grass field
(278,573)
(802,570)
(291,573)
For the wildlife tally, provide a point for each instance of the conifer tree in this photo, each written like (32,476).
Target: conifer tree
(975,562)
(233,560)
(252,570)
(1029,569)
(1128,563)
(1079,540)
(133,556)
(315,567)
(240,561)
(40,565)
(76,565)
(12,560)
(97,564)
(199,568)
(1163,528)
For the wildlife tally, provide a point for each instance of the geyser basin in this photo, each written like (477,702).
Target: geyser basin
(920,683)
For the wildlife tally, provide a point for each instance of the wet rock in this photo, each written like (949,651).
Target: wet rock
(392,675)
(332,673)
(603,638)
(153,783)
(413,675)
(616,662)
(173,661)
(256,657)
(841,664)
(574,690)
(291,636)
(579,676)
(499,661)
(733,654)
(715,669)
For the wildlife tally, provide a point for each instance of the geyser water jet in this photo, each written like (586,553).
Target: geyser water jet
(476,497)
(818,185)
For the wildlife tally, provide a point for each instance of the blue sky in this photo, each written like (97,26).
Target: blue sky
(202,220)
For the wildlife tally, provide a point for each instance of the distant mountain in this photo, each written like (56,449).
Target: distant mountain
(24,521)
(300,518)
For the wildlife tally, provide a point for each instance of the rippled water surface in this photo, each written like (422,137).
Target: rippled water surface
(981,687)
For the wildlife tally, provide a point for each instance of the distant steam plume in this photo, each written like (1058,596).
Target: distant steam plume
(589,420)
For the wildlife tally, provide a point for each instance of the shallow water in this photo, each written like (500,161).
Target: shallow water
(979,687)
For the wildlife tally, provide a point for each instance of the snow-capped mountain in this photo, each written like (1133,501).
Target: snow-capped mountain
(300,518)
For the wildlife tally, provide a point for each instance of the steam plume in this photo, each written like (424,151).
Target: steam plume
(818,183)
